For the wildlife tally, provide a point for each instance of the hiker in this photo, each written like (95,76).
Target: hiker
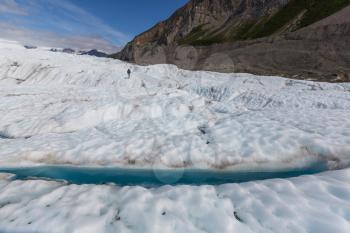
(129,73)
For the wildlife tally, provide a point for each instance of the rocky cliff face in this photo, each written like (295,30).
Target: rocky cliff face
(294,38)
(210,17)
(197,21)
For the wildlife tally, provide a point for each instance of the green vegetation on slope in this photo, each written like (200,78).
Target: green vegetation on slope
(305,11)
(319,9)
(278,20)
(310,11)
(194,35)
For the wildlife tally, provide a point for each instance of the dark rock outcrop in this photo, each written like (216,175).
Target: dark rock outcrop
(68,50)
(94,53)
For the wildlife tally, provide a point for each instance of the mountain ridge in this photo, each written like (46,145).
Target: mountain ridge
(211,35)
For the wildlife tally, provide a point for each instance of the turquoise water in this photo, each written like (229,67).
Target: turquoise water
(152,177)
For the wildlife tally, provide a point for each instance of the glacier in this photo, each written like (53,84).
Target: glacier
(60,108)
(306,204)
(71,110)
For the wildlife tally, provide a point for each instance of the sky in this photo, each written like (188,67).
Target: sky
(106,25)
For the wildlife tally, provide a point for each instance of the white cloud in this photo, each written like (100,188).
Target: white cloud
(50,39)
(83,17)
(57,23)
(11,7)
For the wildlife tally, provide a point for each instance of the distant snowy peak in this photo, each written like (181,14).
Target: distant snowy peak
(95,53)
(64,50)
(68,50)
(17,45)
(30,47)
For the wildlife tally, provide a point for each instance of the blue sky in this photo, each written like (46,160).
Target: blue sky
(81,24)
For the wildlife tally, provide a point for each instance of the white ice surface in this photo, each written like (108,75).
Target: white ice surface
(67,109)
(308,204)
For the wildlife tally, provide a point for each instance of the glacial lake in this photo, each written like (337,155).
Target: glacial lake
(153,177)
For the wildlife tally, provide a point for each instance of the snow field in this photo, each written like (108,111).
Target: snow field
(60,108)
(317,203)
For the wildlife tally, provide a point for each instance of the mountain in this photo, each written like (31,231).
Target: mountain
(94,53)
(64,50)
(68,50)
(304,39)
(30,47)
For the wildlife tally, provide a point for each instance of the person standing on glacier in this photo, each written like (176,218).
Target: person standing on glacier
(129,73)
